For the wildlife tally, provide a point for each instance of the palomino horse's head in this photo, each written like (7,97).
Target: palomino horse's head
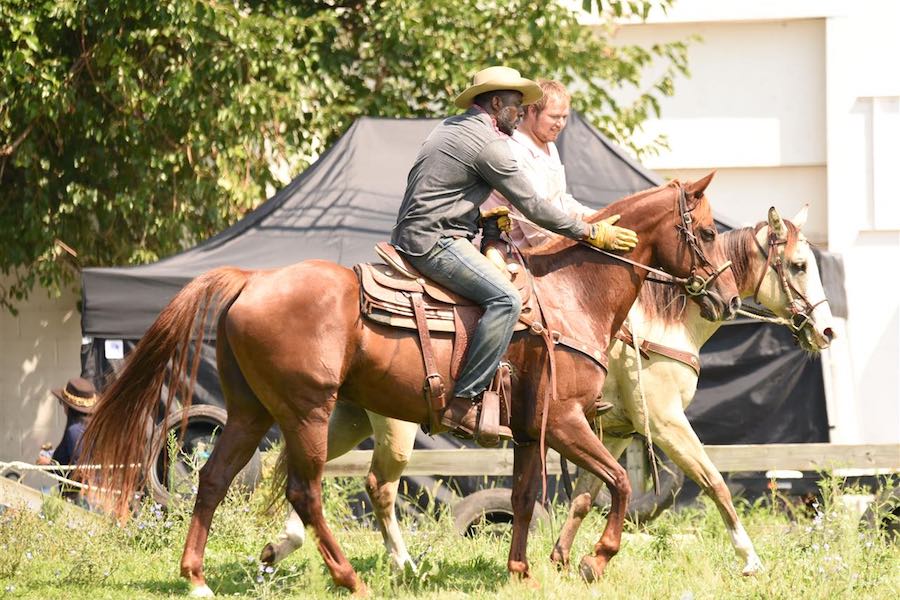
(690,249)
(790,285)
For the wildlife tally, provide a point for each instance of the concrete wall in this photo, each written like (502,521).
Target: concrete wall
(753,109)
(39,351)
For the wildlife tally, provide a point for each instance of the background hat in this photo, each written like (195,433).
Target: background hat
(79,394)
(499,78)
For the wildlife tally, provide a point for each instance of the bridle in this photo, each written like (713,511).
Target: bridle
(800,307)
(696,285)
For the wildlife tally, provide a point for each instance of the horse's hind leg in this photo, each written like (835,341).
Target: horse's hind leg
(394,441)
(247,422)
(571,435)
(681,444)
(586,488)
(306,438)
(347,427)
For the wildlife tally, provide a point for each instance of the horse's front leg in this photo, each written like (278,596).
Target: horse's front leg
(571,435)
(586,488)
(674,434)
(526,475)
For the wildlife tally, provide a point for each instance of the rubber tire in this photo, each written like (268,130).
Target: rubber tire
(644,505)
(215,417)
(886,501)
(493,505)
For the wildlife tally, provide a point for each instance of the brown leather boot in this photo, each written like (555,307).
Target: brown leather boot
(461,417)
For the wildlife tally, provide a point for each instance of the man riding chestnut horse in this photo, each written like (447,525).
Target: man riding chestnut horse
(459,164)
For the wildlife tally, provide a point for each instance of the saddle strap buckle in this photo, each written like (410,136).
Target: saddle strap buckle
(435,392)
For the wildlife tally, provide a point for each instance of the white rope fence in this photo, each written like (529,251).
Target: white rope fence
(48,471)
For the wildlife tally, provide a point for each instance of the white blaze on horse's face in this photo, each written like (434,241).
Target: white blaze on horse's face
(802,272)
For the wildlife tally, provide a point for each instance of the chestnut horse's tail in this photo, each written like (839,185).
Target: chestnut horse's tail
(119,434)
(275,497)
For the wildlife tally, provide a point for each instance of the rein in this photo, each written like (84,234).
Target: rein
(694,285)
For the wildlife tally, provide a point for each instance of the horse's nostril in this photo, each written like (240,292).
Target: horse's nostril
(829,334)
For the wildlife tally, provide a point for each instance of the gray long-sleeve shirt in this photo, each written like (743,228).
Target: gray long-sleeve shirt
(461,161)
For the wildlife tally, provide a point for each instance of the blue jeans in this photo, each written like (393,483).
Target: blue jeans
(458,266)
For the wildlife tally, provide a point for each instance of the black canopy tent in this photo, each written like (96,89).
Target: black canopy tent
(756,385)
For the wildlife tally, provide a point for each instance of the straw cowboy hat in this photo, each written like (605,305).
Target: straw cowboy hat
(79,394)
(499,78)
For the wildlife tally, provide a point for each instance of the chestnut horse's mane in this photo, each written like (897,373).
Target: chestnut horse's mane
(557,243)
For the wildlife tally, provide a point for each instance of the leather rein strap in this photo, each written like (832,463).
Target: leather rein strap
(695,285)
(433,387)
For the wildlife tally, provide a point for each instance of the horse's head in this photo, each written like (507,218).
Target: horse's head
(686,245)
(790,285)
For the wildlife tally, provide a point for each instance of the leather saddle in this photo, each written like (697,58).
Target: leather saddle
(386,291)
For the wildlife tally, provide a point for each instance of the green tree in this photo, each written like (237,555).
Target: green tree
(130,129)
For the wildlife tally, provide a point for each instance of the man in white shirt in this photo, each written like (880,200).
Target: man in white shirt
(534,149)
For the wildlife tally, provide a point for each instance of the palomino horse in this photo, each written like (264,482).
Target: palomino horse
(290,342)
(669,386)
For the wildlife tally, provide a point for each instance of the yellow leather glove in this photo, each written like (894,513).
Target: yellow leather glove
(604,234)
(502,214)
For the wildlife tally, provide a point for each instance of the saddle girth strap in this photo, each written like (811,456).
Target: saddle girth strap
(433,387)
(682,356)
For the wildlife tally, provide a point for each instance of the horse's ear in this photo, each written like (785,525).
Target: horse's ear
(776,224)
(697,188)
(800,218)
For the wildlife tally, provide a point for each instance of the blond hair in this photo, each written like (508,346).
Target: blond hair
(551,89)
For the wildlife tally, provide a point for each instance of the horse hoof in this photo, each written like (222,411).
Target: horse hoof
(268,555)
(361,590)
(559,560)
(752,568)
(590,568)
(202,591)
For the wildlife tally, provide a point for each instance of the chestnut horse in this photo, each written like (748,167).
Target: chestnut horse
(290,342)
(661,316)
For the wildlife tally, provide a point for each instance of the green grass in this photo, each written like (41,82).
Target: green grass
(681,555)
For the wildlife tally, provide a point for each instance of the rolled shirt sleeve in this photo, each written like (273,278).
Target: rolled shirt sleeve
(496,164)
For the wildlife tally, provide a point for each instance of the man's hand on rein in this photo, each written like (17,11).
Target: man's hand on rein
(606,235)
(501,213)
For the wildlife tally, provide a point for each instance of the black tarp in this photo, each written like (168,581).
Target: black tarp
(756,385)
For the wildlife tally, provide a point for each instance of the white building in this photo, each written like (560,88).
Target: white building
(799,102)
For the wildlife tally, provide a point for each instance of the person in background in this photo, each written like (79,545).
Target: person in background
(77,399)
